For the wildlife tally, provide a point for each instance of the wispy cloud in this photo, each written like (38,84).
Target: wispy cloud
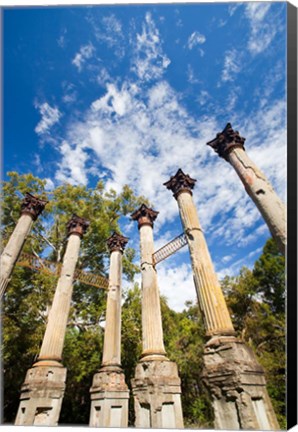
(195,39)
(85,53)
(149,61)
(262,32)
(232,65)
(49,116)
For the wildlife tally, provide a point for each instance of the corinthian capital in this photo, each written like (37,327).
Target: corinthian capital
(32,206)
(180,182)
(144,215)
(77,225)
(226,141)
(117,242)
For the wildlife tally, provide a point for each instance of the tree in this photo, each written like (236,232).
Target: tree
(256,300)
(29,295)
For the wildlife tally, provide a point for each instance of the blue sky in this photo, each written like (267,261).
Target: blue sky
(131,93)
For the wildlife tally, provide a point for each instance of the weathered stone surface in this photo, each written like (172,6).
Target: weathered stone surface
(156,390)
(13,249)
(31,208)
(237,385)
(43,389)
(117,242)
(109,399)
(229,145)
(41,396)
(156,386)
(211,300)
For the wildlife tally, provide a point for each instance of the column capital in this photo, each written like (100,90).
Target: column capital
(117,242)
(226,141)
(180,182)
(77,225)
(144,215)
(32,205)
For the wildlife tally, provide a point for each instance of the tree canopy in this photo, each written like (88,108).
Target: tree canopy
(255,299)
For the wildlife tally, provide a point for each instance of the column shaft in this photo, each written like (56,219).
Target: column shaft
(263,195)
(211,300)
(52,345)
(13,249)
(151,313)
(112,337)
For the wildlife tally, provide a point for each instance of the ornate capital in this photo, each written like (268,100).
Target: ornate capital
(225,141)
(32,206)
(145,216)
(117,242)
(77,225)
(180,182)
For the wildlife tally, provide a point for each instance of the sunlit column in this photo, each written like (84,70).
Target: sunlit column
(151,314)
(211,300)
(229,145)
(31,208)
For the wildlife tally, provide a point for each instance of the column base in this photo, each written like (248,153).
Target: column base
(41,396)
(109,398)
(237,385)
(156,390)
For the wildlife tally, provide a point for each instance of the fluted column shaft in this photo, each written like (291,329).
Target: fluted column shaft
(31,208)
(13,249)
(112,337)
(151,313)
(52,345)
(263,195)
(229,145)
(211,300)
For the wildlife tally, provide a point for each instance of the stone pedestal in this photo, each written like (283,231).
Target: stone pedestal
(231,373)
(156,386)
(43,389)
(109,398)
(41,396)
(109,392)
(30,209)
(156,391)
(230,145)
(237,386)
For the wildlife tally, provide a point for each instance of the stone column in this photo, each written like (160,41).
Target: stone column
(230,145)
(211,300)
(109,392)
(31,208)
(156,386)
(231,372)
(44,385)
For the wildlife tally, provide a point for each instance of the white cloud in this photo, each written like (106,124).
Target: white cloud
(72,167)
(141,138)
(149,61)
(85,53)
(195,39)
(49,116)
(232,65)
(49,184)
(262,32)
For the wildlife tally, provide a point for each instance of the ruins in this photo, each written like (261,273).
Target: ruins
(229,145)
(234,378)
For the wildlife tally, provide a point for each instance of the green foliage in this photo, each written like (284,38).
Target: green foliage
(256,300)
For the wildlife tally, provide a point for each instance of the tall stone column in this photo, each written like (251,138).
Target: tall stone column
(231,372)
(156,386)
(211,300)
(109,392)
(44,385)
(229,145)
(31,208)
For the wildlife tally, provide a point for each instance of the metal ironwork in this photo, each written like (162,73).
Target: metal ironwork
(169,249)
(50,267)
